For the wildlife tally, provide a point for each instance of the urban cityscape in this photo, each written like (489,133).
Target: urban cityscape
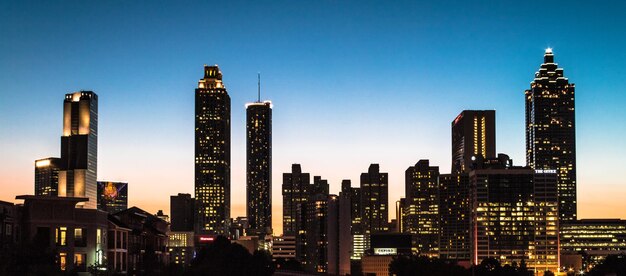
(477,212)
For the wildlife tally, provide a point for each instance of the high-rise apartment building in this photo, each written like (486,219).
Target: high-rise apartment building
(421,216)
(550,130)
(473,136)
(112,196)
(212,153)
(295,191)
(514,215)
(259,166)
(47,176)
(79,148)
(454,213)
(182,212)
(374,202)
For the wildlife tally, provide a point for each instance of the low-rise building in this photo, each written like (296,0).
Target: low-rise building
(593,239)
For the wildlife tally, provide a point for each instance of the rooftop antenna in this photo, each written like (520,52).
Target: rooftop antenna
(259,86)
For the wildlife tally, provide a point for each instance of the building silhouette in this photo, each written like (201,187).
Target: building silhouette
(259,167)
(421,216)
(182,212)
(374,202)
(550,130)
(79,148)
(212,153)
(295,191)
(47,176)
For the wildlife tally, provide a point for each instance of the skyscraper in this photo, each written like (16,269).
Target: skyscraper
(374,202)
(550,130)
(295,191)
(473,136)
(259,166)
(112,196)
(212,153)
(47,176)
(422,207)
(79,147)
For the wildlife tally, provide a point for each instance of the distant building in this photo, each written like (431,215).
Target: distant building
(79,148)
(180,247)
(239,227)
(284,247)
(374,202)
(295,191)
(350,235)
(514,215)
(454,213)
(182,212)
(212,153)
(384,248)
(47,176)
(421,218)
(315,218)
(473,136)
(551,130)
(112,196)
(332,235)
(259,166)
(593,239)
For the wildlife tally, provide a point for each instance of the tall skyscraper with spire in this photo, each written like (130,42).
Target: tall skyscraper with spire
(79,148)
(212,153)
(550,131)
(259,166)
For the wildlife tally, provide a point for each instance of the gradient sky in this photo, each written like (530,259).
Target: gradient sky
(353,83)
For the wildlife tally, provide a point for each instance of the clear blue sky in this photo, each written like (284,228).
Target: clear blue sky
(352,83)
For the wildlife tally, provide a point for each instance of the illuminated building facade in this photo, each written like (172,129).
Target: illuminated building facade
(473,135)
(182,212)
(259,167)
(112,196)
(295,191)
(550,130)
(374,202)
(47,176)
(594,239)
(180,247)
(454,213)
(212,153)
(421,216)
(79,148)
(514,215)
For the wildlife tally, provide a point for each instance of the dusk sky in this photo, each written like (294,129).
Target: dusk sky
(352,83)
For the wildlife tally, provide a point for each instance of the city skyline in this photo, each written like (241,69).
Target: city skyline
(345,124)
